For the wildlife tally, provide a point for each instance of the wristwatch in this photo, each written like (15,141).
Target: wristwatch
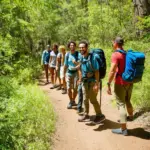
(108,83)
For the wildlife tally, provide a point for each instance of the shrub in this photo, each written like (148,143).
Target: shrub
(28,118)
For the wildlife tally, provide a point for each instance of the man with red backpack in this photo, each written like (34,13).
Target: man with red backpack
(122,89)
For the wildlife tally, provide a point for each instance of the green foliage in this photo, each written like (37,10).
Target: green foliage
(26,27)
(27,117)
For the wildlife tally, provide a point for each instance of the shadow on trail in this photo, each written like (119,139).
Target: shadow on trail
(137,132)
(42,83)
(107,124)
(140,133)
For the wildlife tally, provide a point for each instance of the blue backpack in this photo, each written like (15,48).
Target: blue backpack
(134,66)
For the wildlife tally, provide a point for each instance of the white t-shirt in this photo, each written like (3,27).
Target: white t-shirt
(53,59)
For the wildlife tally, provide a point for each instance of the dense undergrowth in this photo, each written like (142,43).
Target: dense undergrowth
(27,119)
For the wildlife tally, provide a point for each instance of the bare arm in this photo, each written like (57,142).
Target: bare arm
(58,61)
(50,59)
(97,75)
(96,86)
(65,69)
(80,74)
(112,72)
(111,76)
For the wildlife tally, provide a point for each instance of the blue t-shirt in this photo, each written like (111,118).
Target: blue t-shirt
(89,65)
(45,56)
(71,71)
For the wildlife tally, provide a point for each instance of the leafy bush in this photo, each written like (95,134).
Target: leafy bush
(27,117)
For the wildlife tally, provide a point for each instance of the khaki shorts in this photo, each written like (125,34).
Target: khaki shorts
(71,82)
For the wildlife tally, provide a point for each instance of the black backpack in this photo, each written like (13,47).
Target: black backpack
(101,60)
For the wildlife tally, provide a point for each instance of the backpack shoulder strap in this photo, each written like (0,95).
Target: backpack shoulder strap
(77,56)
(121,51)
(90,60)
(67,55)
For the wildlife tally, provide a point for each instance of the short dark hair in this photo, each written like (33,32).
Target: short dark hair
(55,45)
(70,43)
(119,41)
(84,42)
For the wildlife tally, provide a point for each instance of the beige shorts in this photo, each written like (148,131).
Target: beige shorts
(62,72)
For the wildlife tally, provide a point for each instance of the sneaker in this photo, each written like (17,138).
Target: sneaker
(74,103)
(64,91)
(99,119)
(129,119)
(47,82)
(59,88)
(69,105)
(53,87)
(79,110)
(120,131)
(84,118)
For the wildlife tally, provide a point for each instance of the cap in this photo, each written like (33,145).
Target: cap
(48,46)
(119,40)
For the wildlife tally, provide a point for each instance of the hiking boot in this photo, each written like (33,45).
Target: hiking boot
(99,119)
(120,131)
(84,118)
(129,119)
(69,105)
(64,91)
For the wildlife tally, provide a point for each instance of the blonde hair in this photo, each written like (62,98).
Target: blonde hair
(62,47)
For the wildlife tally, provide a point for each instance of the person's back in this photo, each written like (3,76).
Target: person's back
(122,89)
(119,59)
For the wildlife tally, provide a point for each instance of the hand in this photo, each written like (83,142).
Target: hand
(96,88)
(109,90)
(74,61)
(56,68)
(78,82)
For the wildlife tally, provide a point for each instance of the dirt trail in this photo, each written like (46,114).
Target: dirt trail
(72,135)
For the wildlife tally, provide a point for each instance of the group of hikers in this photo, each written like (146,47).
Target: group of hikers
(78,72)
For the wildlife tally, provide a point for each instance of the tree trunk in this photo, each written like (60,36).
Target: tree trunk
(141,7)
